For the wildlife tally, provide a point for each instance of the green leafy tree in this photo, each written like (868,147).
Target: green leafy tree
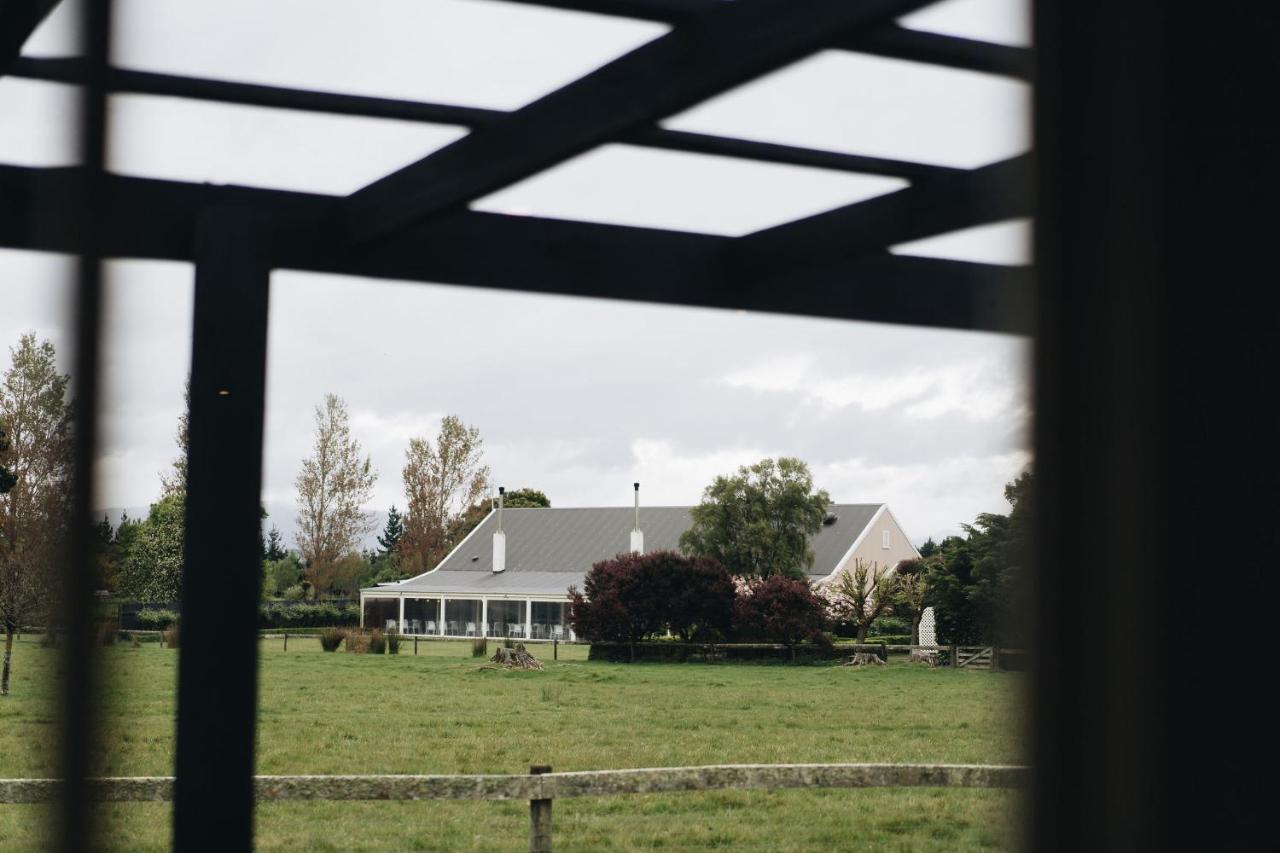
(175,481)
(105,556)
(977,584)
(126,533)
(153,569)
(525,498)
(758,521)
(281,574)
(34,508)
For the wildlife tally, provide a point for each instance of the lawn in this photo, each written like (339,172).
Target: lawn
(440,712)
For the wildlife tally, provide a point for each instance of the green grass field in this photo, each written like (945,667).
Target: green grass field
(440,712)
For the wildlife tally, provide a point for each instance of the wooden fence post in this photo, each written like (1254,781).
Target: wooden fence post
(415,646)
(955,656)
(555,648)
(286,641)
(539,817)
(995,658)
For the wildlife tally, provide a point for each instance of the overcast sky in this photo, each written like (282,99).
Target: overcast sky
(575,397)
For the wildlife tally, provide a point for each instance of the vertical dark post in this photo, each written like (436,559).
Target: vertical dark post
(1156,372)
(415,646)
(539,817)
(91,206)
(555,648)
(955,656)
(217,672)
(286,641)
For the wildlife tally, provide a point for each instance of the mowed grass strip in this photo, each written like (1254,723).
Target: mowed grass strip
(443,712)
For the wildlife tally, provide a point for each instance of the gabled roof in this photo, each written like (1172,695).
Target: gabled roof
(549,549)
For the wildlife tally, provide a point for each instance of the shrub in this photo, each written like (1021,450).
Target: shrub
(295,593)
(781,609)
(659,652)
(156,619)
(377,642)
(480,647)
(635,596)
(324,614)
(393,642)
(170,636)
(331,638)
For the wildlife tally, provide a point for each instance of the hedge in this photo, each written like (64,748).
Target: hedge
(668,652)
(319,615)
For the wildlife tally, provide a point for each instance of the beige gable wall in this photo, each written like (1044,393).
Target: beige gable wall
(870,549)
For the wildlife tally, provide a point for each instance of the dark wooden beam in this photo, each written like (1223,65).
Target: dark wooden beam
(989,194)
(18,20)
(84,210)
(703,56)
(151,83)
(218,660)
(888,40)
(157,219)
(918,46)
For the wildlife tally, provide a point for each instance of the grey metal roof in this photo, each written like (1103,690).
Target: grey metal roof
(550,548)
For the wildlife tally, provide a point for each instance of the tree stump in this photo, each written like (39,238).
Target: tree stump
(865,659)
(516,658)
(924,656)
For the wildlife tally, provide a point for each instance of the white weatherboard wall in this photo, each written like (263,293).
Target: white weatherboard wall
(873,547)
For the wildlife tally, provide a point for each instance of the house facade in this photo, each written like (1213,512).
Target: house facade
(510,576)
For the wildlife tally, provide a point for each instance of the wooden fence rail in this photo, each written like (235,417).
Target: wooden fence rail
(541,787)
(588,783)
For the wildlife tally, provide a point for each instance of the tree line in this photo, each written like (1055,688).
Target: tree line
(445,482)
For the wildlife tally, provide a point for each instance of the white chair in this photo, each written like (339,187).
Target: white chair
(557,632)
(471,629)
(391,624)
(431,626)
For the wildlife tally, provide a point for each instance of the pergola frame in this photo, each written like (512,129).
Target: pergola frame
(1150,143)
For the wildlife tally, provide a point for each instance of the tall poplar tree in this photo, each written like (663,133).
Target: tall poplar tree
(334,485)
(441,480)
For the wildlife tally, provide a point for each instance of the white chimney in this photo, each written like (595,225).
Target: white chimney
(500,538)
(637,535)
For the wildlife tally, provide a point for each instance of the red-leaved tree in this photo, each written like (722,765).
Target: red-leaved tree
(633,596)
(782,609)
(700,594)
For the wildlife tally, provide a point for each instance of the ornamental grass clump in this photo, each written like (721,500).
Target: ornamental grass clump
(357,642)
(331,639)
(393,642)
(377,642)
